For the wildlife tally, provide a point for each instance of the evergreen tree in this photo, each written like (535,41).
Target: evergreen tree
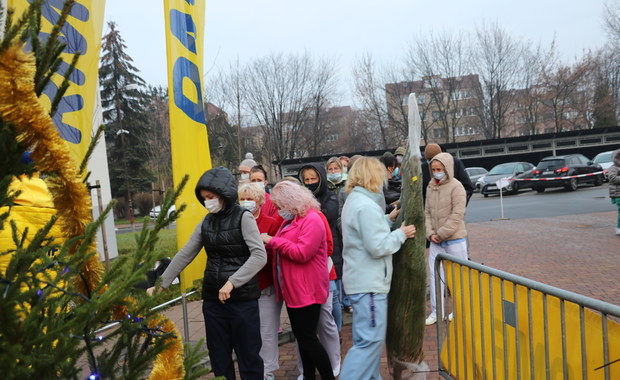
(54,294)
(604,114)
(124,112)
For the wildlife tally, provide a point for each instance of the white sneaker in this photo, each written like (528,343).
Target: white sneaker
(450,316)
(269,376)
(617,231)
(431,319)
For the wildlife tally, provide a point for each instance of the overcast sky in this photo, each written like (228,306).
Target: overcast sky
(345,29)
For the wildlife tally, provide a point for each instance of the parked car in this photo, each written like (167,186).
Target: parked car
(474,174)
(565,167)
(154,213)
(509,170)
(604,159)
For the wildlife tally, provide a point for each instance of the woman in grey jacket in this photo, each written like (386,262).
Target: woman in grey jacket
(367,273)
(230,290)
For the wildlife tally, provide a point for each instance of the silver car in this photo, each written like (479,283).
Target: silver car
(512,171)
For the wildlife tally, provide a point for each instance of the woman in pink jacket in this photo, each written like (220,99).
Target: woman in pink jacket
(300,271)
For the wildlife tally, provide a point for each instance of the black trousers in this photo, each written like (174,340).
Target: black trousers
(234,326)
(304,322)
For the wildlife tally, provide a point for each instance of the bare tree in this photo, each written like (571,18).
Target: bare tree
(369,91)
(567,95)
(442,61)
(317,129)
(529,109)
(496,59)
(611,20)
(281,93)
(225,90)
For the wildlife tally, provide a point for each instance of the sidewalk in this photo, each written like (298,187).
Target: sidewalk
(579,253)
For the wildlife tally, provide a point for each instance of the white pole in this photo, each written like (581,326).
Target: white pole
(3,4)
(501,201)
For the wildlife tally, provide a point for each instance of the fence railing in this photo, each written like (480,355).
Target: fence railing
(182,298)
(509,327)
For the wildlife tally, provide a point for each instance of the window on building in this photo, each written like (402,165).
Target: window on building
(460,94)
(421,99)
(436,115)
(438,133)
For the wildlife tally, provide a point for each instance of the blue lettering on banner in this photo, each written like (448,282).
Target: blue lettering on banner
(75,43)
(183,28)
(184,68)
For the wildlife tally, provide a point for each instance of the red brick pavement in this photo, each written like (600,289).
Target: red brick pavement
(579,253)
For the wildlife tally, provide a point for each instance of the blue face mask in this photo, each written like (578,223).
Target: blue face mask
(334,177)
(286,215)
(396,172)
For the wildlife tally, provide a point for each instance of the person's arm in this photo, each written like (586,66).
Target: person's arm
(376,235)
(330,208)
(461,175)
(183,257)
(258,256)
(612,175)
(457,215)
(312,232)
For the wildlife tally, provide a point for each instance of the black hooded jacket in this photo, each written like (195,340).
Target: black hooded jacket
(329,207)
(222,238)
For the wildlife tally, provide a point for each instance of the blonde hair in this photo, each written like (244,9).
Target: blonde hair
(369,173)
(334,160)
(294,198)
(253,190)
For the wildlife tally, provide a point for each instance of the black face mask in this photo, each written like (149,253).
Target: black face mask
(313,186)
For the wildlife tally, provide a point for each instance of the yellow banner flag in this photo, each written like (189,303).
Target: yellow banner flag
(81,33)
(188,131)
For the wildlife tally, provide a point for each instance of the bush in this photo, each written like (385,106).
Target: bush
(143,202)
(120,209)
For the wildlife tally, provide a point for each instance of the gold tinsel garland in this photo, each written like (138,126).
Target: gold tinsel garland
(20,106)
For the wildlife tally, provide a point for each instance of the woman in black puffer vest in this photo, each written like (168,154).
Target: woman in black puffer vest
(235,254)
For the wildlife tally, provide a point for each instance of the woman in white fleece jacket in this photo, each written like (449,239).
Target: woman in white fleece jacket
(368,246)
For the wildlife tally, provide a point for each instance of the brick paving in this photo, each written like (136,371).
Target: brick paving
(579,253)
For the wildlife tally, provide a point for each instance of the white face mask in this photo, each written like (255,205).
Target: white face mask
(439,175)
(213,205)
(261,184)
(286,215)
(245,176)
(250,205)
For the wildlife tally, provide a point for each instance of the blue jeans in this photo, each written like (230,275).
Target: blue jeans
(344,299)
(336,305)
(369,328)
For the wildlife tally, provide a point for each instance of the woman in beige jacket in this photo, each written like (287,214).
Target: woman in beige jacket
(445,219)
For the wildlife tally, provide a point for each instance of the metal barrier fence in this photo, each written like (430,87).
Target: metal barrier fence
(509,327)
(182,298)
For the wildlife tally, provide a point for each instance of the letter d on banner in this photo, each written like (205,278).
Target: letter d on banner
(188,130)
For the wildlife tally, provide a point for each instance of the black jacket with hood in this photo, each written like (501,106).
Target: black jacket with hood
(223,239)
(329,207)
